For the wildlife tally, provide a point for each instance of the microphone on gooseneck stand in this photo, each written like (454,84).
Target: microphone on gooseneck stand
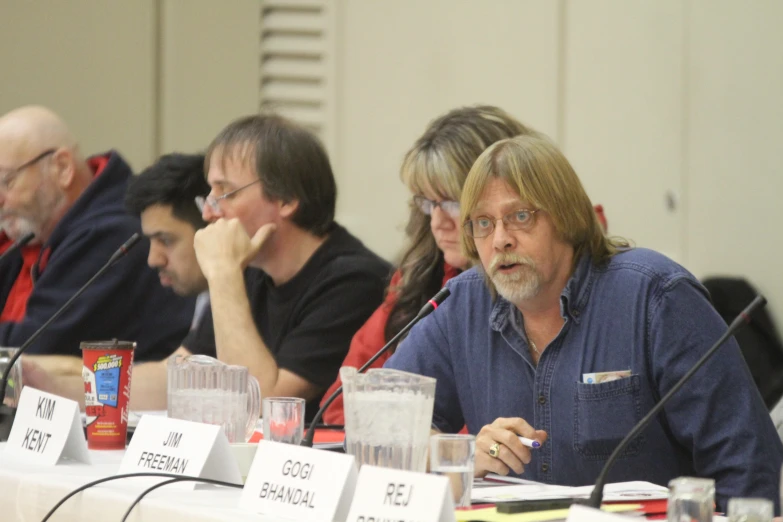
(427,309)
(16,245)
(8,413)
(742,319)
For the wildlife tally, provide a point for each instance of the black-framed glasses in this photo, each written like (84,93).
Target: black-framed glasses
(214,201)
(483,226)
(8,177)
(448,206)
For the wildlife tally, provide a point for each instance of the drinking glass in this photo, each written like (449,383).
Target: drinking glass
(691,499)
(14,384)
(453,456)
(283,419)
(750,510)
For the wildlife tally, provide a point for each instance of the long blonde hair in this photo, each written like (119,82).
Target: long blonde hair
(542,176)
(437,165)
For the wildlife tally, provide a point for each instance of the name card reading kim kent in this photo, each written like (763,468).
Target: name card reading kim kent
(401,496)
(178,447)
(299,483)
(47,428)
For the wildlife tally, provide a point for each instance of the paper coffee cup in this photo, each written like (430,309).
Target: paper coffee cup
(107,381)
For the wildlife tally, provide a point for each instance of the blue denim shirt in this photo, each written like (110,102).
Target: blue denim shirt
(640,311)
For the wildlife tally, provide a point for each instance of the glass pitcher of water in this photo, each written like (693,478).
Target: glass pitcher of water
(388,417)
(203,389)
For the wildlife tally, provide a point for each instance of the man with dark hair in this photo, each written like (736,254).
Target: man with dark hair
(162,196)
(288,286)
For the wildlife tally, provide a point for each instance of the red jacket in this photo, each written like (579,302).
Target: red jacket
(13,305)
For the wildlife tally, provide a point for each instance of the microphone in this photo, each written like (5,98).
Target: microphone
(427,309)
(8,413)
(741,320)
(16,245)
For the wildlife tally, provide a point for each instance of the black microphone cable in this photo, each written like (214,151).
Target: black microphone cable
(149,490)
(131,475)
(172,481)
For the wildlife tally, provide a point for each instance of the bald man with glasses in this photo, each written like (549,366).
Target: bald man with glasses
(74,207)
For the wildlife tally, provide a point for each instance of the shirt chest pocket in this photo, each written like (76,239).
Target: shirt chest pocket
(604,413)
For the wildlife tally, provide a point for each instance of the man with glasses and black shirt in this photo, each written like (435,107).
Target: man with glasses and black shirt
(289,287)
(74,206)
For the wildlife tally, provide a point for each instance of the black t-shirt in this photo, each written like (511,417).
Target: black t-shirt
(308,322)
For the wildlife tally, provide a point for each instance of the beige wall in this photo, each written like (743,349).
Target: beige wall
(734,134)
(401,64)
(209,69)
(144,76)
(90,60)
(670,110)
(623,109)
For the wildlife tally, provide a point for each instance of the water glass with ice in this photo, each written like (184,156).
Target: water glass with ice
(283,419)
(453,456)
(691,499)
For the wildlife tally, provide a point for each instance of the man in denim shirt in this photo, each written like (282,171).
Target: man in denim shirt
(554,300)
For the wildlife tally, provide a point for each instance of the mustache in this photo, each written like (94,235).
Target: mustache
(510,259)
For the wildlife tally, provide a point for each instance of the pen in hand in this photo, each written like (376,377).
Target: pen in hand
(530,443)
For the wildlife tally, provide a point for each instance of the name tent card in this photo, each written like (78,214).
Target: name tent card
(404,496)
(46,430)
(179,447)
(298,483)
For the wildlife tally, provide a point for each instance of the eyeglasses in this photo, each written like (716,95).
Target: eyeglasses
(7,179)
(214,202)
(448,206)
(483,226)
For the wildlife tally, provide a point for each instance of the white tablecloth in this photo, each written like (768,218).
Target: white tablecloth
(28,492)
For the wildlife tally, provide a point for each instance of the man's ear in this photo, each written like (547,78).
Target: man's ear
(287,209)
(63,167)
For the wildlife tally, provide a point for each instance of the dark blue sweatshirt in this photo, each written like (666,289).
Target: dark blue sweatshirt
(127,302)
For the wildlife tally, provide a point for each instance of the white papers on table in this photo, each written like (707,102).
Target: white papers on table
(617,492)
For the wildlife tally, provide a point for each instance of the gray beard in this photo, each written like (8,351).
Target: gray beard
(518,289)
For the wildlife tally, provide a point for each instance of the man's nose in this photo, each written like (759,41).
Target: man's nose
(501,239)
(210,214)
(155,259)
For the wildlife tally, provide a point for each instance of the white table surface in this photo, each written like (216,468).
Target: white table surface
(28,492)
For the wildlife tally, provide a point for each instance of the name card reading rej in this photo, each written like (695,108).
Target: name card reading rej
(47,428)
(299,483)
(178,447)
(403,496)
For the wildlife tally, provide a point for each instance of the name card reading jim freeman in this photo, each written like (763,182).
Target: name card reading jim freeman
(178,447)
(165,463)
